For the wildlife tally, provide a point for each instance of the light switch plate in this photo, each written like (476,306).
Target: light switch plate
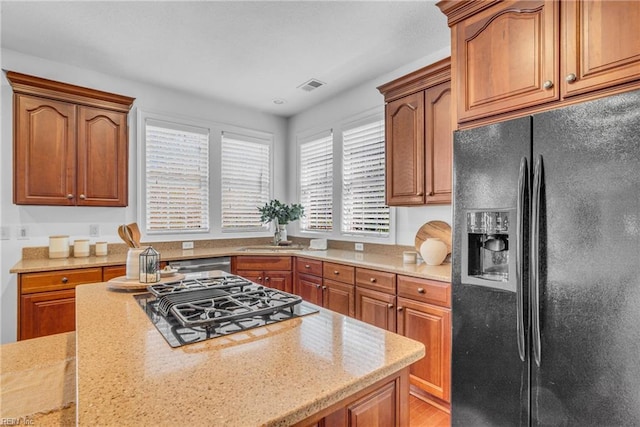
(22,232)
(94,230)
(5,233)
(359,246)
(187,245)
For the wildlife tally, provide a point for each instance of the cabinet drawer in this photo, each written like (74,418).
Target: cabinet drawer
(309,266)
(54,280)
(376,280)
(263,263)
(430,291)
(338,272)
(113,271)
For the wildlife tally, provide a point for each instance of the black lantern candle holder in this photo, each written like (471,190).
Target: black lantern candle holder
(149,266)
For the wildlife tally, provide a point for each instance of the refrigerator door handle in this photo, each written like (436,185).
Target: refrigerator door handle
(535,262)
(523,194)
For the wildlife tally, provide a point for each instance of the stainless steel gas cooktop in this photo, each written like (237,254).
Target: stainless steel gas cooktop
(194,310)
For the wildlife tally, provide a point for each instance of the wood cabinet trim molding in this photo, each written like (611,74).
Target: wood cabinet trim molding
(458,10)
(37,86)
(418,80)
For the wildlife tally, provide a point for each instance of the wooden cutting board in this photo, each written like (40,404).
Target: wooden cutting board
(134,284)
(434,229)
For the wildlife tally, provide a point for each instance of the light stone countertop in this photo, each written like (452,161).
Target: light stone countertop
(390,263)
(273,375)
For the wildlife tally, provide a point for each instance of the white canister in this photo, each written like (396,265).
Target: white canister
(80,248)
(58,246)
(133,263)
(101,248)
(433,251)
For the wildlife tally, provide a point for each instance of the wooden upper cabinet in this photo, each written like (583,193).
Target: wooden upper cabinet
(506,58)
(102,157)
(44,151)
(439,143)
(405,150)
(419,123)
(70,144)
(601,44)
(519,57)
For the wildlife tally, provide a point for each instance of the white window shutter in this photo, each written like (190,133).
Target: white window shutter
(176,177)
(316,183)
(246,181)
(363,181)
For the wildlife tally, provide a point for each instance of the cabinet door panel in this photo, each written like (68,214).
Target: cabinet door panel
(339,297)
(439,143)
(102,157)
(601,44)
(504,55)
(310,288)
(431,325)
(376,308)
(278,280)
(376,409)
(44,151)
(405,150)
(254,276)
(47,313)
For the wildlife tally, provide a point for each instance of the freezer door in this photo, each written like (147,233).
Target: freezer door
(490,381)
(589,264)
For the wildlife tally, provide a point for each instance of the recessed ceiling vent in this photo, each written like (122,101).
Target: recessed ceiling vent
(311,85)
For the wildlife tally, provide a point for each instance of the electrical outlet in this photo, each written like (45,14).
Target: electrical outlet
(187,245)
(5,233)
(359,246)
(94,230)
(23,232)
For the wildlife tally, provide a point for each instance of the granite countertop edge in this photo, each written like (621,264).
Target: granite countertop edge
(392,264)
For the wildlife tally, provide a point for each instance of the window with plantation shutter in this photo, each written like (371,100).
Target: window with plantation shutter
(176,177)
(246,180)
(316,183)
(363,181)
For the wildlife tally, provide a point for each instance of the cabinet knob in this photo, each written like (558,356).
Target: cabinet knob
(317,286)
(571,78)
(420,193)
(390,306)
(69,196)
(259,278)
(82,197)
(336,272)
(373,280)
(324,287)
(548,84)
(307,266)
(267,278)
(65,280)
(400,308)
(421,290)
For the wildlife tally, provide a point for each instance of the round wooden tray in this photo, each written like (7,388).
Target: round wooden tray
(133,284)
(434,229)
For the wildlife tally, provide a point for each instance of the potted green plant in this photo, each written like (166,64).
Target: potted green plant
(281,214)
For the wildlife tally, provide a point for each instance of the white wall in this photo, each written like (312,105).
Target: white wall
(349,105)
(43,221)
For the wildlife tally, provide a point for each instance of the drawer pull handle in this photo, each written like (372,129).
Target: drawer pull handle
(65,280)
(307,266)
(336,272)
(421,290)
(373,280)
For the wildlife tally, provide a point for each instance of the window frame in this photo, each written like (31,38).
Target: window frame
(306,139)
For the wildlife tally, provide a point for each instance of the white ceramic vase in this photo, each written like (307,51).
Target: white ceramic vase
(433,251)
(133,263)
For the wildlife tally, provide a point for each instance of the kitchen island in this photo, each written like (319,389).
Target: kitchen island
(293,372)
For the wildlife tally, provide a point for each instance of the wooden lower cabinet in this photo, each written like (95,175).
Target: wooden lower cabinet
(281,280)
(274,272)
(431,325)
(114,271)
(384,404)
(339,297)
(309,288)
(376,308)
(47,313)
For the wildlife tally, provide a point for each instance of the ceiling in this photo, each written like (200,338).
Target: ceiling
(245,52)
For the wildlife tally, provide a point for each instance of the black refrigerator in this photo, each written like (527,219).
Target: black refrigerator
(546,268)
